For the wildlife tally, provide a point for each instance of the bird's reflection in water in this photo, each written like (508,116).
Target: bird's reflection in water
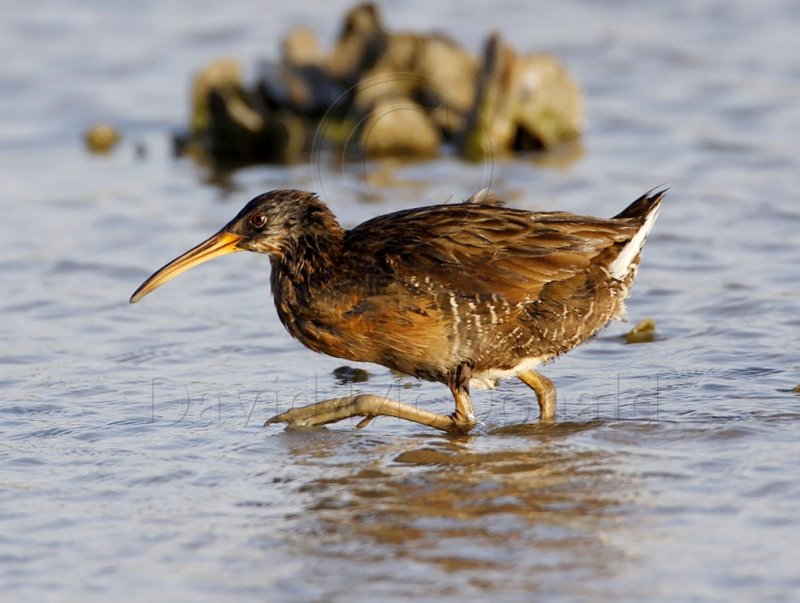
(521,511)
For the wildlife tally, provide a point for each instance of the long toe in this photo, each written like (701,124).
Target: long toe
(299,418)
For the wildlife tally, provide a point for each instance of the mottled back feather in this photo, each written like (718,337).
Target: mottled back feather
(478,249)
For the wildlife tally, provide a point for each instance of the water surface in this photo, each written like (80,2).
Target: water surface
(133,463)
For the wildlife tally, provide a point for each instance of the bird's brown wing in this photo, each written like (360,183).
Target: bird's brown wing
(474,249)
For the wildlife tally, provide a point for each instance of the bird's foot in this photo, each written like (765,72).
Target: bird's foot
(368,406)
(327,411)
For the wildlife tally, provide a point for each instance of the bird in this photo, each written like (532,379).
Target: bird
(464,294)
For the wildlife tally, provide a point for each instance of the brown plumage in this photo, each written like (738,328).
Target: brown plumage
(453,293)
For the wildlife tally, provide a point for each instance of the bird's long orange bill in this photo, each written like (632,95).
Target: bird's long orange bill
(221,243)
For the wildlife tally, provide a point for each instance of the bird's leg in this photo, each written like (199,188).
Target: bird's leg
(545,393)
(464,416)
(370,406)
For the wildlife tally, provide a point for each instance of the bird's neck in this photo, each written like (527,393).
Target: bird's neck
(308,260)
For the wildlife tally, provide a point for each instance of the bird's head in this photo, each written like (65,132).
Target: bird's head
(271,223)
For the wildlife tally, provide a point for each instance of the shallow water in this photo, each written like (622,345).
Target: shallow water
(133,463)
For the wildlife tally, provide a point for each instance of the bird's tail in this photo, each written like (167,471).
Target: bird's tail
(645,208)
(644,205)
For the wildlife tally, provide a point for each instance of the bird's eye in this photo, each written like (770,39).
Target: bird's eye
(258,220)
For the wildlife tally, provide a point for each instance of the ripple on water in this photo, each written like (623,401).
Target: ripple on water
(147,353)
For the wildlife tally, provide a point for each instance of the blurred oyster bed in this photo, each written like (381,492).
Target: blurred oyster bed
(380,94)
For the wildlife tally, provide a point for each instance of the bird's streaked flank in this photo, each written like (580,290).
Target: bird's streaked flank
(463,294)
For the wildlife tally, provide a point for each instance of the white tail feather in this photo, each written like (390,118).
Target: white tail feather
(621,265)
